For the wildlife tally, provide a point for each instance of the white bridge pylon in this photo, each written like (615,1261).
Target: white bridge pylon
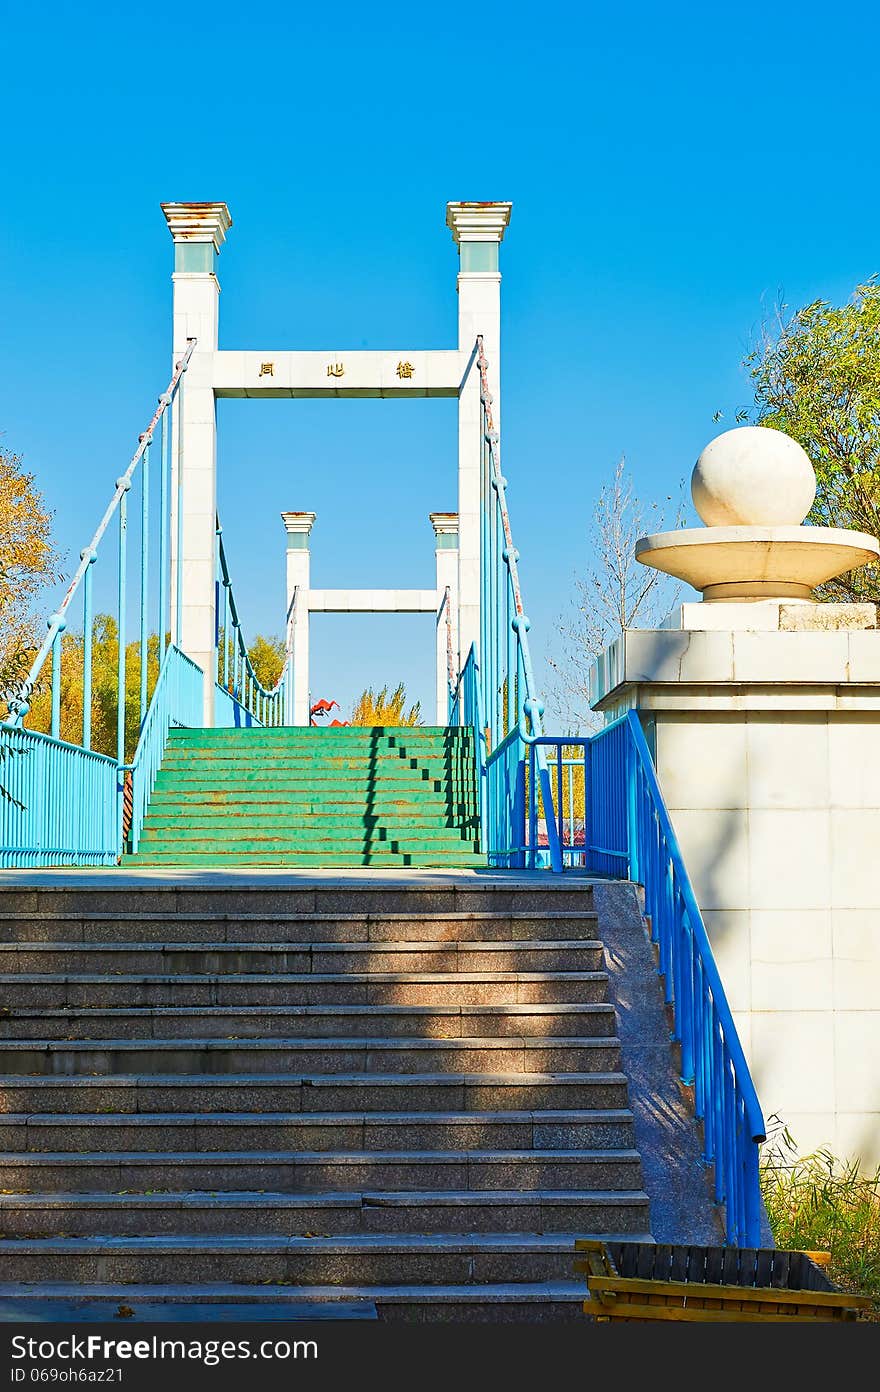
(199,231)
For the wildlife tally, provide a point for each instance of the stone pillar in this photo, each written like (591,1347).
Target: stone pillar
(764,721)
(199,230)
(445,526)
(298,526)
(477,229)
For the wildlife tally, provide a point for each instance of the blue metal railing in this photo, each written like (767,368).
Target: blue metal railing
(19,704)
(711,1054)
(65,803)
(627,832)
(177,700)
(59,805)
(240,697)
(497,693)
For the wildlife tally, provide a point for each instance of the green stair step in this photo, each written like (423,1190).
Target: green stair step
(307,859)
(384,797)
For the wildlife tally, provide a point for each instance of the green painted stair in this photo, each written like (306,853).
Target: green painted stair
(304,797)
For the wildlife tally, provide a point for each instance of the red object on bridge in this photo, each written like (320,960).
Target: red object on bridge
(324,708)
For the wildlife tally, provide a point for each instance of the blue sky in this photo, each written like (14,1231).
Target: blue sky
(672,168)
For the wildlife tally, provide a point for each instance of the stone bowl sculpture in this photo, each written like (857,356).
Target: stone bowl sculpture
(753,487)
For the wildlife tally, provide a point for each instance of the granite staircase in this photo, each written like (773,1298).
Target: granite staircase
(291,796)
(229,1094)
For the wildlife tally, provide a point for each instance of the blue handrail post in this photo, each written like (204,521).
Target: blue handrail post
(178,598)
(145,587)
(632,815)
(120,655)
(519,809)
(164,462)
(90,557)
(589,858)
(60,625)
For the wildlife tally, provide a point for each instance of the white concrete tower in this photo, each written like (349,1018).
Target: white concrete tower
(298,526)
(477,229)
(445,526)
(199,230)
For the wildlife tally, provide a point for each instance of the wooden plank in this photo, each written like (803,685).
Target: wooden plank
(730,1270)
(750,1294)
(662,1261)
(714,1265)
(748,1256)
(763,1267)
(780,1274)
(689,1315)
(678,1265)
(644,1264)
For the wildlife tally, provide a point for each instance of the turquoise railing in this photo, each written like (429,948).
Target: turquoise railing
(240,699)
(497,692)
(59,804)
(19,702)
(62,802)
(177,700)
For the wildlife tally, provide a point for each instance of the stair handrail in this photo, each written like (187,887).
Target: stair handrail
(531,707)
(176,701)
(19,704)
(635,828)
(510,702)
(445,612)
(235,671)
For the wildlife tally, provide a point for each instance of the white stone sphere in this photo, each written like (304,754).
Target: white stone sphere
(753,477)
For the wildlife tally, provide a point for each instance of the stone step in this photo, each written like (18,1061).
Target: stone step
(281,928)
(301,1131)
(315,1093)
(288,1171)
(511,1303)
(324,1021)
(341,1260)
(556,1054)
(618,1212)
(31,991)
(344,894)
(323,958)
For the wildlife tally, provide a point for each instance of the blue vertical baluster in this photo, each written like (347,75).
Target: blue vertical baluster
(178,608)
(125,484)
(56,674)
(87,555)
(145,581)
(164,524)
(226,633)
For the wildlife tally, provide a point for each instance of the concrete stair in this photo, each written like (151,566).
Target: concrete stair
(303,797)
(333,1094)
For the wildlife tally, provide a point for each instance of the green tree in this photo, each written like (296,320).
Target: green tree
(378,708)
(28,562)
(816,376)
(28,559)
(105,656)
(267,659)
